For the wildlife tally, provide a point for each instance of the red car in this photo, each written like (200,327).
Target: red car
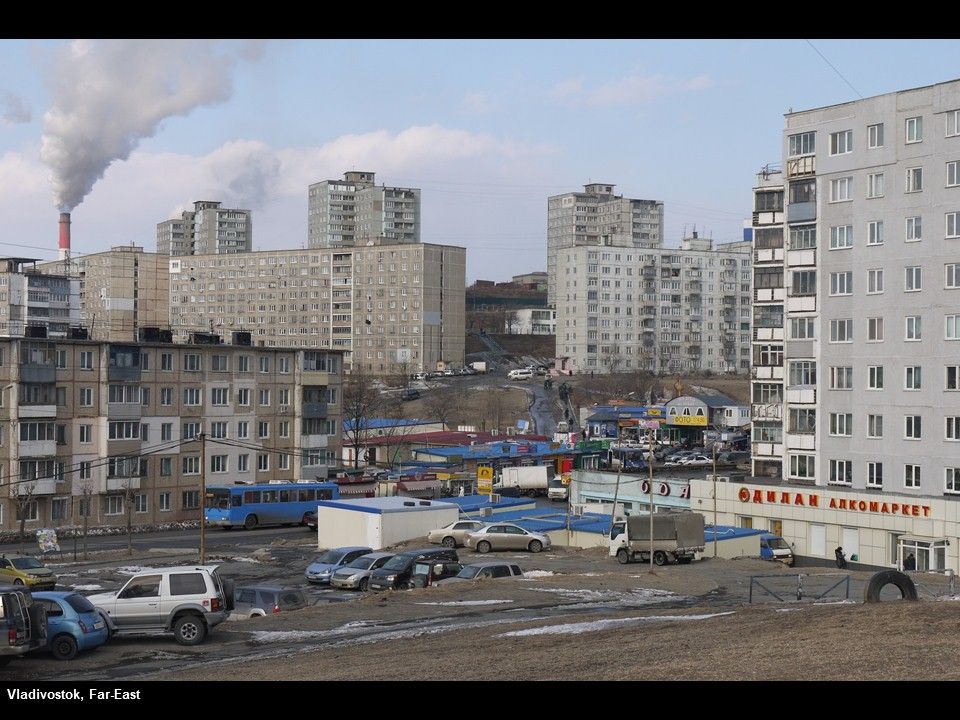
(310,520)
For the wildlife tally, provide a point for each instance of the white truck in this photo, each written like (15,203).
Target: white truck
(532,480)
(677,537)
(557,490)
(479,365)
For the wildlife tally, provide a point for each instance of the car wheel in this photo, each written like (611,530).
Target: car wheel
(189,629)
(18,581)
(623,557)
(659,558)
(449,542)
(64,647)
(251,522)
(483,547)
(535,546)
(364,584)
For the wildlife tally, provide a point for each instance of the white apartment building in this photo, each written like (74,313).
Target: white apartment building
(208,228)
(33,304)
(657,309)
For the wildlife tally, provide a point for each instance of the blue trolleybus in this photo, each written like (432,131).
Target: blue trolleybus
(251,506)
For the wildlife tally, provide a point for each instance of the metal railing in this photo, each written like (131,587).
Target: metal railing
(780,593)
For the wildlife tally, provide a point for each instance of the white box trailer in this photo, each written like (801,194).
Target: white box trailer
(379,522)
(530,480)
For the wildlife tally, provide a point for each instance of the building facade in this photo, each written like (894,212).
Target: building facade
(351,211)
(93,426)
(531,321)
(36,304)
(658,309)
(392,308)
(596,217)
(532,280)
(207,229)
(120,291)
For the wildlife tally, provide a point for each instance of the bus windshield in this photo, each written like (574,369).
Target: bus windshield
(219,499)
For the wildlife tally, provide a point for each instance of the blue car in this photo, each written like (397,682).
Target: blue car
(324,566)
(73,623)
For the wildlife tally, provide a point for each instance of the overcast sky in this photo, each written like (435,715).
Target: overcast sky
(487,130)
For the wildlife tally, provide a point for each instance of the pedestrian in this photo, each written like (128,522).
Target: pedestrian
(841,560)
(909,562)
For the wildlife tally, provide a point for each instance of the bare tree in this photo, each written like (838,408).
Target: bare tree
(510,320)
(86,505)
(493,408)
(362,401)
(128,498)
(446,404)
(24,498)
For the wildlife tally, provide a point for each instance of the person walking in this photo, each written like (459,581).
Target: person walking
(909,562)
(841,560)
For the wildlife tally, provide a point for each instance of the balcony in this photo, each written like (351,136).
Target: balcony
(766,255)
(123,374)
(118,484)
(801,212)
(796,258)
(315,377)
(37,448)
(801,166)
(36,374)
(802,303)
(767,450)
(47,486)
(313,442)
(768,217)
(314,410)
(124,411)
(766,411)
(768,333)
(36,411)
(770,294)
(801,442)
(766,372)
(802,395)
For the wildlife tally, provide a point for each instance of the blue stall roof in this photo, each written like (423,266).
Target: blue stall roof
(383,423)
(728,532)
(496,450)
(381,505)
(546,520)
(473,503)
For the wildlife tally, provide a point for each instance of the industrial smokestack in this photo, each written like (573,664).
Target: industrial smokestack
(64,236)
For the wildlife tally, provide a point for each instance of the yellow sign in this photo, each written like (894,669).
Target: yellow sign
(485,479)
(689,420)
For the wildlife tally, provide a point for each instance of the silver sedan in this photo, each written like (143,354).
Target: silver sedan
(506,536)
(355,575)
(452,535)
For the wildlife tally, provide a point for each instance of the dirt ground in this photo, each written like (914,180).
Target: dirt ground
(478,405)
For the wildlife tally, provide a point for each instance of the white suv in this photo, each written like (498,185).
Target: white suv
(187,601)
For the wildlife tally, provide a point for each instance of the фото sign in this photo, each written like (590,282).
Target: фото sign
(698,420)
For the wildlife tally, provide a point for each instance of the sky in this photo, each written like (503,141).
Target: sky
(130,133)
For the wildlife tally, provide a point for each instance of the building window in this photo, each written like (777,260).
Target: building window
(86,360)
(953,123)
(952,428)
(913,279)
(912,427)
(221,363)
(190,499)
(953,377)
(803,372)
(218,430)
(264,397)
(914,129)
(874,426)
(86,434)
(243,430)
(166,432)
(802,144)
(953,327)
(841,283)
(875,474)
(191,465)
(875,233)
(911,476)
(875,185)
(841,237)
(874,282)
(803,237)
(841,472)
(192,362)
(220,396)
(803,283)
(283,365)
(875,377)
(86,397)
(283,462)
(283,396)
(841,190)
(191,430)
(166,468)
(166,362)
(263,429)
(802,328)
(952,481)
(952,271)
(163,501)
(243,363)
(140,503)
(953,173)
(243,396)
(144,361)
(218,463)
(875,329)
(264,364)
(85,470)
(841,331)
(243,463)
(191,396)
(803,421)
(914,179)
(953,224)
(166,396)
(283,429)
(875,136)
(60,509)
(263,462)
(913,328)
(841,424)
(914,229)
(841,378)
(841,142)
(113,505)
(802,466)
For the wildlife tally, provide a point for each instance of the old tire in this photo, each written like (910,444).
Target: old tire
(18,582)
(889,577)
(623,557)
(535,546)
(483,547)
(659,558)
(189,629)
(64,647)
(250,523)
(364,584)
(38,621)
(449,542)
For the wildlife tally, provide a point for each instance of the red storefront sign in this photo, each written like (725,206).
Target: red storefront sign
(812,500)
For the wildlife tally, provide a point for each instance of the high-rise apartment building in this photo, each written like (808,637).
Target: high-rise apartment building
(391,307)
(207,229)
(354,210)
(34,304)
(120,291)
(90,423)
(597,217)
(621,309)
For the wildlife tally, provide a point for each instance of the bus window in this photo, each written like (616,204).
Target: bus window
(218,499)
(236,500)
(324,494)
(251,497)
(284,496)
(307,495)
(268,496)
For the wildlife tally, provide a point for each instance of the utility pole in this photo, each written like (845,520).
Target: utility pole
(714,497)
(616,493)
(650,488)
(203,497)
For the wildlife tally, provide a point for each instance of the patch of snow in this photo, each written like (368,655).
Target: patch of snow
(272,636)
(531,574)
(597,625)
(787,610)
(836,602)
(949,597)
(87,587)
(244,560)
(130,569)
(467,602)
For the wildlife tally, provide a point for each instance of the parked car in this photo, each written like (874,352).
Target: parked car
(427,572)
(506,536)
(355,575)
(695,460)
(73,624)
(23,622)
(451,535)
(410,394)
(476,571)
(397,571)
(520,374)
(420,376)
(188,601)
(260,600)
(310,520)
(18,569)
(324,566)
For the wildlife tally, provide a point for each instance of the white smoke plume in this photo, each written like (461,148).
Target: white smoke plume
(110,94)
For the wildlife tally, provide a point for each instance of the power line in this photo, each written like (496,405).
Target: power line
(834,68)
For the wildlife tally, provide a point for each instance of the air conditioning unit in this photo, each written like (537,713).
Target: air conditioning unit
(495,498)
(578,509)
(511,430)
(486,511)
(494,431)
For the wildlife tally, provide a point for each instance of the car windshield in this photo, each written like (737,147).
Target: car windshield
(778,543)
(79,603)
(468,573)
(330,557)
(219,499)
(556,483)
(397,562)
(362,563)
(26,563)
